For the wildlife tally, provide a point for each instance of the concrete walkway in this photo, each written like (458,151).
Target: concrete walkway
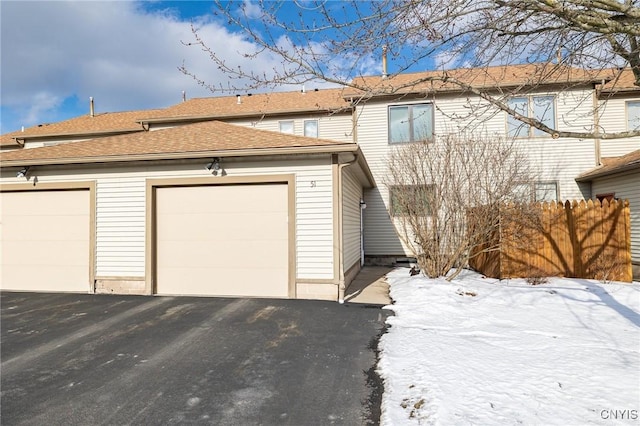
(370,286)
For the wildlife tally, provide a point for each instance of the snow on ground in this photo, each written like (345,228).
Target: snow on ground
(482,351)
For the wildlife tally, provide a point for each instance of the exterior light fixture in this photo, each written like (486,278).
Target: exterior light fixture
(23,172)
(214,166)
(363,205)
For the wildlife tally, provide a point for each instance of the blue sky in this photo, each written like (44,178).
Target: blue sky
(125,54)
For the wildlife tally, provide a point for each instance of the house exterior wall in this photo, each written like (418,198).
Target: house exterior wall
(121,202)
(613,118)
(351,232)
(330,126)
(42,141)
(557,160)
(334,127)
(625,186)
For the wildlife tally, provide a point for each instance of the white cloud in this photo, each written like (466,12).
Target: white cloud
(123,56)
(251,10)
(40,103)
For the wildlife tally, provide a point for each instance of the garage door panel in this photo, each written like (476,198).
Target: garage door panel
(45,278)
(224,282)
(225,227)
(45,238)
(43,228)
(241,254)
(198,199)
(36,203)
(43,253)
(223,240)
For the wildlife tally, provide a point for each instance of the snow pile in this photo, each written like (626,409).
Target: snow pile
(483,351)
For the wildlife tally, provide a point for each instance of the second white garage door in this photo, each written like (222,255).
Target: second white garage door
(222,240)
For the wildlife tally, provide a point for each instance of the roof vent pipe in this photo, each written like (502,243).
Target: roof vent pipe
(184,96)
(384,62)
(238,99)
(22,129)
(303,90)
(92,111)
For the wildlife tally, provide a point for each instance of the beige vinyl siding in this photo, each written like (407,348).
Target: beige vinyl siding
(559,160)
(53,141)
(613,118)
(372,130)
(334,127)
(625,186)
(120,236)
(120,221)
(351,196)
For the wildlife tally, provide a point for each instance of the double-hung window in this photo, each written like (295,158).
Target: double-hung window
(541,108)
(536,191)
(633,115)
(410,123)
(286,126)
(311,128)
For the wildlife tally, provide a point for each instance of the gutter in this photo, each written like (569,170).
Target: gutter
(72,135)
(383,93)
(221,117)
(589,176)
(329,149)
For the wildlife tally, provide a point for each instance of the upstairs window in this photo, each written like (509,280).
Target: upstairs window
(633,115)
(286,126)
(311,128)
(410,123)
(541,108)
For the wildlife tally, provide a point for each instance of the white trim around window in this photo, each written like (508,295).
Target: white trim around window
(540,107)
(633,115)
(287,126)
(410,123)
(311,128)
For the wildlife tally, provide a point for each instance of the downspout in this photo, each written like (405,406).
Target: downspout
(363,206)
(341,284)
(596,124)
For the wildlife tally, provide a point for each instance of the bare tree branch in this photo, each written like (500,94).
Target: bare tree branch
(335,42)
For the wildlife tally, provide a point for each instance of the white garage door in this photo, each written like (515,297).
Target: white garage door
(223,240)
(45,237)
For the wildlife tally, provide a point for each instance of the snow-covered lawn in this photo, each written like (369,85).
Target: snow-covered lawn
(482,351)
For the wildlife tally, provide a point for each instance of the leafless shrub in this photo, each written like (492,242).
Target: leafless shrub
(606,268)
(446,195)
(535,279)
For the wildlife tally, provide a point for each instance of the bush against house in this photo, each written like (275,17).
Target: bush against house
(436,188)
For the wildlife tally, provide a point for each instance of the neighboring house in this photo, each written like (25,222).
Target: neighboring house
(619,178)
(278,209)
(85,127)
(205,208)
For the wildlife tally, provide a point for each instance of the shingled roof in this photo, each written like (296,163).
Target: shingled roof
(511,76)
(620,81)
(84,125)
(210,138)
(610,166)
(314,101)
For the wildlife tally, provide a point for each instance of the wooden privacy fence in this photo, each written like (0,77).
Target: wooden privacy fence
(575,239)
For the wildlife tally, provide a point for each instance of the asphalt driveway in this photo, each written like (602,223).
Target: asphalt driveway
(98,359)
